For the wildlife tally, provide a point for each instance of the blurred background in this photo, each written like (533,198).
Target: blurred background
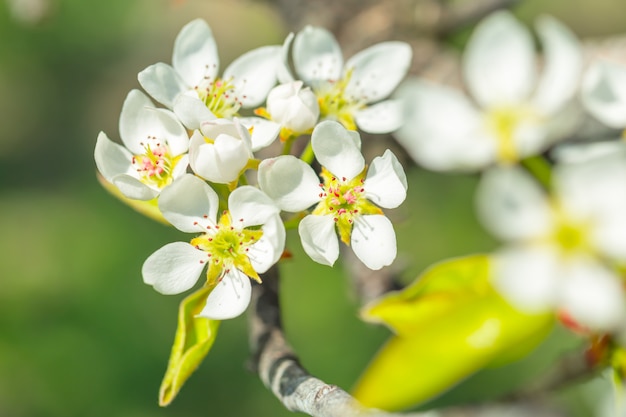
(80,334)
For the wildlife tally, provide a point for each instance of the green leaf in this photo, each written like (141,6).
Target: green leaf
(194,338)
(449,324)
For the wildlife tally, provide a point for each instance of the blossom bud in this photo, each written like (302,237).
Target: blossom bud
(294,107)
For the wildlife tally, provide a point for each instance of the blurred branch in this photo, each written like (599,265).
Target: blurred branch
(281,372)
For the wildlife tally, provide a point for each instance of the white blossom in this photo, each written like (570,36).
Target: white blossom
(154,152)
(293,107)
(247,239)
(511,114)
(191,85)
(353,94)
(562,248)
(220,151)
(348,199)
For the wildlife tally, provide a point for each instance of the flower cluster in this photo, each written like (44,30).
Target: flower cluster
(194,159)
(560,208)
(565,225)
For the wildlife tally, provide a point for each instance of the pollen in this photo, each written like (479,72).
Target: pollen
(220,97)
(336,104)
(156,165)
(228,246)
(344,199)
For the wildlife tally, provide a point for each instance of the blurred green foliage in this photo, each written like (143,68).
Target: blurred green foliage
(80,334)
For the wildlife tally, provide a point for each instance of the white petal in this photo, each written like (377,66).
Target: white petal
(229,298)
(338,149)
(250,206)
(133,188)
(111,158)
(195,53)
(530,137)
(254,74)
(174,268)
(593,296)
(499,61)
(293,107)
(163,83)
(134,107)
(290,182)
(268,250)
(386,182)
(181,167)
(593,188)
(319,239)
(283,72)
(528,277)
(374,241)
(377,70)
(164,126)
(187,201)
(192,111)
(563,65)
(604,93)
(441,128)
(609,235)
(316,55)
(264,132)
(512,206)
(213,128)
(584,152)
(221,161)
(383,117)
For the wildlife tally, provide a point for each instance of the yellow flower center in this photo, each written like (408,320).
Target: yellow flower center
(219,97)
(156,164)
(344,200)
(335,104)
(228,247)
(504,122)
(571,235)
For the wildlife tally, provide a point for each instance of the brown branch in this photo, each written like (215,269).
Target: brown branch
(280,370)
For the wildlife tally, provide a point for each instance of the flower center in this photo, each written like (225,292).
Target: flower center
(504,122)
(228,246)
(335,104)
(571,235)
(219,97)
(156,164)
(344,200)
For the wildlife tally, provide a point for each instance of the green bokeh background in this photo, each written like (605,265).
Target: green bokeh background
(80,334)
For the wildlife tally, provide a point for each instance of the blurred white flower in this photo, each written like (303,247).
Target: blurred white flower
(155,151)
(348,198)
(562,248)
(191,86)
(352,94)
(246,240)
(603,93)
(293,107)
(513,115)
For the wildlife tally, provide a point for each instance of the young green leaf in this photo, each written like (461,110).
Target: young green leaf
(193,340)
(449,324)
